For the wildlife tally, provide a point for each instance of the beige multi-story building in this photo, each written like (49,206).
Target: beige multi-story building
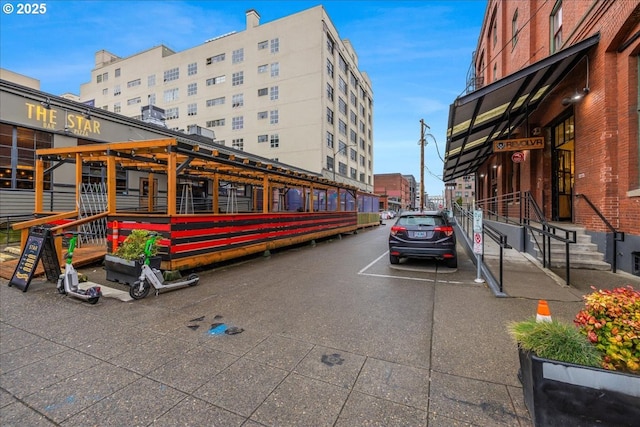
(288,90)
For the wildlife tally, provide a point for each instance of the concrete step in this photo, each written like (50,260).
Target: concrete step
(585,265)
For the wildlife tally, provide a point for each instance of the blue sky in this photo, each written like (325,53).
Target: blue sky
(417,54)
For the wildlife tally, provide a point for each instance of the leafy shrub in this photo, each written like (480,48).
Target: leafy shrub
(556,341)
(611,321)
(133,246)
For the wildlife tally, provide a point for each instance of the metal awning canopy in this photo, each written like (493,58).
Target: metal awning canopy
(494,111)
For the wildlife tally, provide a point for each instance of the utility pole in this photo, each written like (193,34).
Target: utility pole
(422,126)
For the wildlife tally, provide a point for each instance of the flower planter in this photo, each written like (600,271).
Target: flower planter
(125,271)
(562,394)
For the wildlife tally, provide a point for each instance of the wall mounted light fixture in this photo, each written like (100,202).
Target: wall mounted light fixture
(579,94)
(46,103)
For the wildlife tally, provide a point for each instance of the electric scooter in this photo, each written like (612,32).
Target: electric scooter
(153,277)
(68,281)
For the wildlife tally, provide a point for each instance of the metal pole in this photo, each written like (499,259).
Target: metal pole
(422,125)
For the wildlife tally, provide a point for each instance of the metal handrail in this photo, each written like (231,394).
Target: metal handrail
(465,221)
(618,236)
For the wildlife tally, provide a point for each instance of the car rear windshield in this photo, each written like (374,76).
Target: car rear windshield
(421,220)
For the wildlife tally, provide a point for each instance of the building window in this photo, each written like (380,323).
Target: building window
(329,92)
(275,69)
(342,106)
(216,80)
(215,123)
(275,45)
(353,99)
(117,73)
(237,100)
(556,27)
(117,108)
(342,127)
(331,45)
(342,64)
(273,117)
(353,117)
(151,80)
(134,101)
(237,123)
(329,68)
(116,90)
(353,154)
(134,83)
(192,89)
(215,101)
(274,93)
(263,92)
(262,68)
(514,29)
(262,115)
(238,143)
(342,85)
(192,69)
(353,136)
(172,74)
(342,168)
(105,91)
(152,99)
(353,173)
(18,172)
(192,109)
(237,78)
(329,140)
(263,138)
(237,56)
(263,44)
(274,141)
(172,113)
(329,115)
(494,31)
(214,59)
(171,95)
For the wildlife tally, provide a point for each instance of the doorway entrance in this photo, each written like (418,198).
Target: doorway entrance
(562,169)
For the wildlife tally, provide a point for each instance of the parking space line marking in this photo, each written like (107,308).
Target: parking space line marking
(388,276)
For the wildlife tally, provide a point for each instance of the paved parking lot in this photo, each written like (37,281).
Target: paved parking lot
(332,335)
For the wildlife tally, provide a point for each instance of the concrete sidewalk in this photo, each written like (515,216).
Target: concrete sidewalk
(332,336)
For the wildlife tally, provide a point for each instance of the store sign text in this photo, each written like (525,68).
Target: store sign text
(75,123)
(518,144)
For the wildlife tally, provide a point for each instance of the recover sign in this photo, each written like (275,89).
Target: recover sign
(518,144)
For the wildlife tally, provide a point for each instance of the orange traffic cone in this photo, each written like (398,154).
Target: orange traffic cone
(543,314)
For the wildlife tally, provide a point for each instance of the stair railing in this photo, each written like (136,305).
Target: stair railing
(618,236)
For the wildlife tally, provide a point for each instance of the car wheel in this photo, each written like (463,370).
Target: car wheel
(394,259)
(452,262)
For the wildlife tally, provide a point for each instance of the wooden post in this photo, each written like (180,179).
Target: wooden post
(111,184)
(39,172)
(216,193)
(172,182)
(266,194)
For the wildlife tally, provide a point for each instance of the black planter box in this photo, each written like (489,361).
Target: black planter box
(125,271)
(564,394)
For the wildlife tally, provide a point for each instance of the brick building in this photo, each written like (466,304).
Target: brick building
(395,187)
(551,110)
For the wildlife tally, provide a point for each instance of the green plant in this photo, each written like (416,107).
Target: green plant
(556,341)
(133,246)
(611,321)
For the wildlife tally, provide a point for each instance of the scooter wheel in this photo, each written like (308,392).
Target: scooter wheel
(93,300)
(195,279)
(139,290)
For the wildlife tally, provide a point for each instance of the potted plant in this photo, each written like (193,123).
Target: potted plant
(586,373)
(124,265)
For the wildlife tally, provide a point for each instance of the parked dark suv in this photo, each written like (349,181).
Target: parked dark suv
(424,235)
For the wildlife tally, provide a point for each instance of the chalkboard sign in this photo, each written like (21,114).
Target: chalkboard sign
(39,245)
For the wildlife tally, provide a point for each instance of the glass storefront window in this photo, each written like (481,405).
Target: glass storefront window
(18,147)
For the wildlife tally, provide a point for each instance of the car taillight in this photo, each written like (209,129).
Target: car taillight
(397,229)
(446,229)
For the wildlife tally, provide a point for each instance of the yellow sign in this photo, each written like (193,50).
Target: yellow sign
(75,123)
(518,144)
